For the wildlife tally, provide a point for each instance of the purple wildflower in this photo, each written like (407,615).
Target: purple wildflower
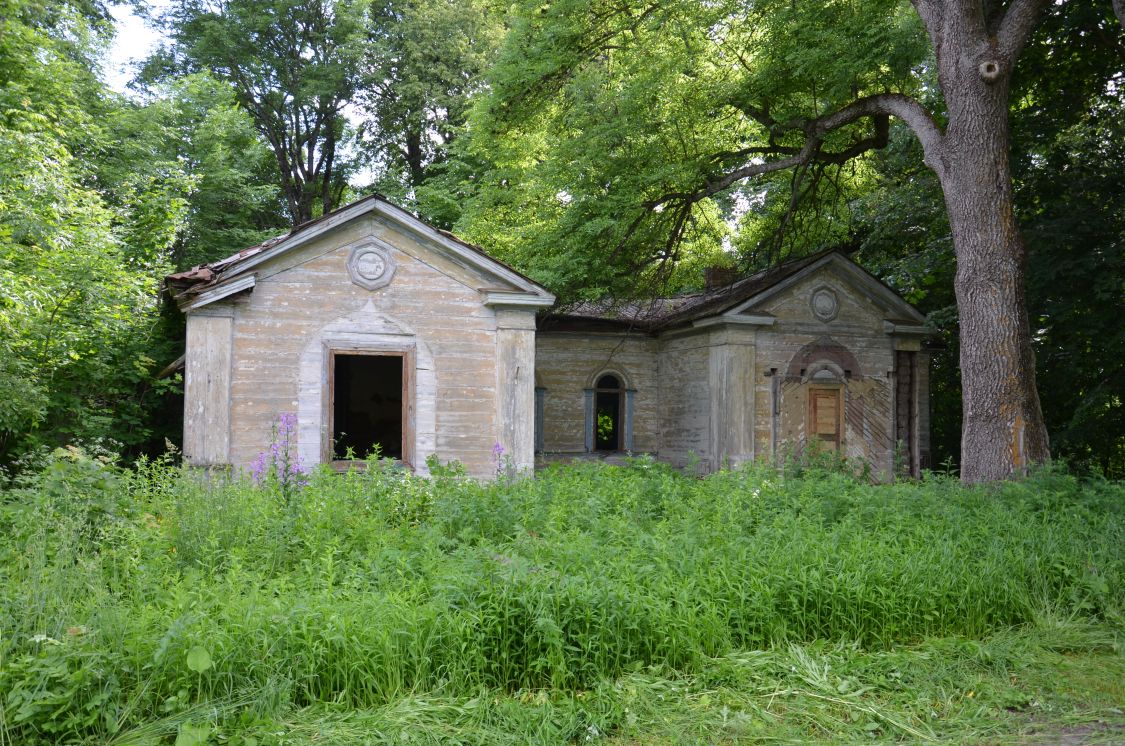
(280,461)
(258,468)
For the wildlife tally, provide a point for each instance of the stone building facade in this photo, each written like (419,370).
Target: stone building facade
(368,326)
(816,349)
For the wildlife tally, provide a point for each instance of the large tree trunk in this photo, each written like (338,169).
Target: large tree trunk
(1003,430)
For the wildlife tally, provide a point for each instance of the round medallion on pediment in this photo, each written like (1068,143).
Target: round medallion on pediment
(825,304)
(371,266)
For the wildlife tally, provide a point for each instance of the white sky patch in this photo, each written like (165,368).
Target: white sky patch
(564,197)
(744,202)
(134,41)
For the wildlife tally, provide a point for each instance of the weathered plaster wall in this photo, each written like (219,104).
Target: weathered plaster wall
(566,363)
(732,357)
(515,386)
(685,399)
(305,302)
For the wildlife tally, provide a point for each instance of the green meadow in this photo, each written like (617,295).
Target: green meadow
(593,604)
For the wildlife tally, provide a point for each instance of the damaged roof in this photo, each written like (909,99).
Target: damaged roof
(658,314)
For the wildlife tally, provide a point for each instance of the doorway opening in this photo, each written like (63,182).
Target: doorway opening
(369,405)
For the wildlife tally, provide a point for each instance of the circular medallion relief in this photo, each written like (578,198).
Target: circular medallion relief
(371,266)
(824,303)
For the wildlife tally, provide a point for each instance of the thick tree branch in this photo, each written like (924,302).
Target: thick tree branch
(930,11)
(1016,26)
(1119,10)
(891,104)
(879,107)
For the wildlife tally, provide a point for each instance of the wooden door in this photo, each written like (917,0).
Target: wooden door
(825,417)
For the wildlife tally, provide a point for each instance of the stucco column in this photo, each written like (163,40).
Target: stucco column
(515,386)
(588,420)
(732,395)
(207,384)
(540,414)
(630,395)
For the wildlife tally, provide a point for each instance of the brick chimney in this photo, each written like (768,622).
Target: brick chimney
(719,277)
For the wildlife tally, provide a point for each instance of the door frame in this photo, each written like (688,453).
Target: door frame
(407,435)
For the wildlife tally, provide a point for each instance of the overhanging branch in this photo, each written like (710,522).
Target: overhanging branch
(879,107)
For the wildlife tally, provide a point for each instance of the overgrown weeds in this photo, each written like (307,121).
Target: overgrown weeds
(590,602)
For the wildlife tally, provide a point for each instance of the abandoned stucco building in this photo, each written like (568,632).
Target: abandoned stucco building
(373,327)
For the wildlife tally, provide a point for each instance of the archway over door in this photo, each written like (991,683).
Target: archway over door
(366,332)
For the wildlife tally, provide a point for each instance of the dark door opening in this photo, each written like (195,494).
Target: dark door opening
(607,413)
(367,405)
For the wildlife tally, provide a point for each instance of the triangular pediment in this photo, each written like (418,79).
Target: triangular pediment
(383,223)
(858,280)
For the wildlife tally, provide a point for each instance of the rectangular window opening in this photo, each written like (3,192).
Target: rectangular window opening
(608,422)
(368,405)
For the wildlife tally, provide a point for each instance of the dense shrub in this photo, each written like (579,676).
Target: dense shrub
(152,593)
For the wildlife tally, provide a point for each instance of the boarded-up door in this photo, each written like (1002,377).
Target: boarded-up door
(825,417)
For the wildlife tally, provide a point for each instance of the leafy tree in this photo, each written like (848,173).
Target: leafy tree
(1066,141)
(82,242)
(715,94)
(1075,222)
(292,65)
(235,199)
(423,60)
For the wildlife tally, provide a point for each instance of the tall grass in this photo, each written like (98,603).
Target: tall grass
(375,587)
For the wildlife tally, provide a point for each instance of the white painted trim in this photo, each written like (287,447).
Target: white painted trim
(875,290)
(402,218)
(518,300)
(219,292)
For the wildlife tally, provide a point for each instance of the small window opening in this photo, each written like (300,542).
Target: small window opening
(609,399)
(367,406)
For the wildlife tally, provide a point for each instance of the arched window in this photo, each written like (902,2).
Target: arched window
(609,414)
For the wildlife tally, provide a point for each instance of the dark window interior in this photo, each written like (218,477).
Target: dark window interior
(608,398)
(367,405)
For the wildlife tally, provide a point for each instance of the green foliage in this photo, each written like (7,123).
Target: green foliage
(1074,190)
(589,601)
(423,59)
(235,199)
(82,243)
(293,84)
(598,115)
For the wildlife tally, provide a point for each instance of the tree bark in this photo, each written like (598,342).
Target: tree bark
(1003,430)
